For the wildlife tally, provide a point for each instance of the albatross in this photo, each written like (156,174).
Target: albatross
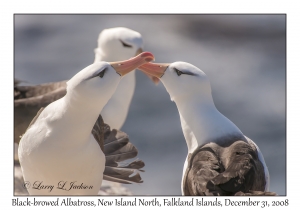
(221,160)
(61,152)
(114,44)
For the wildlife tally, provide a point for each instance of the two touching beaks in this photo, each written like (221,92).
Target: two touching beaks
(141,62)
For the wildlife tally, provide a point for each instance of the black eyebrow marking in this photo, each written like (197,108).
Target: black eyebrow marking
(182,72)
(188,73)
(124,44)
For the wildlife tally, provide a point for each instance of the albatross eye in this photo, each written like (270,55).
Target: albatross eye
(125,45)
(178,72)
(101,74)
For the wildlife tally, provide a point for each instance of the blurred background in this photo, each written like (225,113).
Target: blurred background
(243,55)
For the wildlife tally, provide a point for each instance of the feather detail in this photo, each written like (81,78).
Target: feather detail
(225,170)
(125,174)
(36,90)
(117,149)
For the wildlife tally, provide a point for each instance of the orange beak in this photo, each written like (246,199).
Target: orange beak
(124,67)
(155,80)
(154,69)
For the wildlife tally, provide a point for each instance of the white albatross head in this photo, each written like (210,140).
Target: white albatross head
(180,79)
(118,44)
(190,89)
(99,80)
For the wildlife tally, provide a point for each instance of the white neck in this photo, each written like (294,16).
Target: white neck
(76,118)
(201,121)
(99,55)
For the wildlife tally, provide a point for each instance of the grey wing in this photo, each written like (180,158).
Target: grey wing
(239,176)
(26,108)
(98,132)
(204,166)
(21,91)
(117,148)
(244,173)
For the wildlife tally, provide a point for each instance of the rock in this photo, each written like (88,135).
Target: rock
(113,188)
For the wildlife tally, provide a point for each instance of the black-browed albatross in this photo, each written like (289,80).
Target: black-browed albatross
(63,144)
(221,160)
(114,44)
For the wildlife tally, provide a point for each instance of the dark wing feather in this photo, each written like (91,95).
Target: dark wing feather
(130,175)
(36,90)
(128,151)
(115,141)
(117,148)
(231,170)
(238,176)
(244,173)
(204,167)
(136,164)
(98,132)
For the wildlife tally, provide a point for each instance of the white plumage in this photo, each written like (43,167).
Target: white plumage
(116,44)
(59,147)
(201,122)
